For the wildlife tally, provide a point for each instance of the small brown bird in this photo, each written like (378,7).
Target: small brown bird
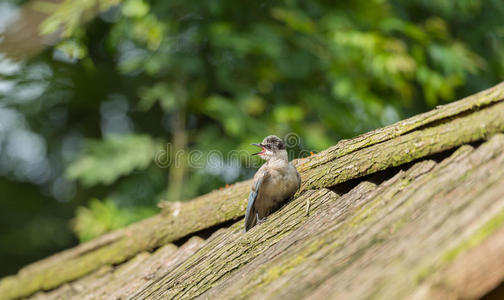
(274,183)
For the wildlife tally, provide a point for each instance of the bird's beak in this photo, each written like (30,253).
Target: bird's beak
(260,152)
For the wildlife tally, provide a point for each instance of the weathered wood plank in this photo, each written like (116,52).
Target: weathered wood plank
(233,249)
(125,282)
(406,148)
(470,276)
(177,221)
(443,112)
(126,279)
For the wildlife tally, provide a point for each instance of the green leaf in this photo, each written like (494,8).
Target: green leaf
(135,8)
(295,19)
(284,114)
(105,161)
(227,113)
(68,15)
(160,92)
(101,217)
(73,49)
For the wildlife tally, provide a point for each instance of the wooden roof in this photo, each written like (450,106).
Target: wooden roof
(413,210)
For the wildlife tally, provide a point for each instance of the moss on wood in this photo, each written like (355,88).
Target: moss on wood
(475,239)
(428,119)
(406,148)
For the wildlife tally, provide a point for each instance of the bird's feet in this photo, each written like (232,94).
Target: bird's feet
(260,221)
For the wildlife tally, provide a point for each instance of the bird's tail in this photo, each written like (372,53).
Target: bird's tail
(251,214)
(250,221)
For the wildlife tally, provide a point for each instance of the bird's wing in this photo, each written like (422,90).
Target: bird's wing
(250,214)
(298,179)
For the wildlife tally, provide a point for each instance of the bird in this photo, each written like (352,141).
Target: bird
(274,183)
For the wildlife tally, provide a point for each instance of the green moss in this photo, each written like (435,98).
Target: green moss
(278,270)
(424,273)
(364,215)
(475,239)
(406,148)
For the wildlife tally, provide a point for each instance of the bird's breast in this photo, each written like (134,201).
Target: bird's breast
(280,186)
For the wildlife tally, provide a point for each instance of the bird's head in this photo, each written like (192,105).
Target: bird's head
(272,147)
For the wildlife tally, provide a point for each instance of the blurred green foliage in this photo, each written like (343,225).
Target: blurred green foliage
(104,161)
(103,216)
(136,75)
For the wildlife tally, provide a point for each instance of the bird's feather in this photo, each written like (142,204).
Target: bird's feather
(250,214)
(298,179)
